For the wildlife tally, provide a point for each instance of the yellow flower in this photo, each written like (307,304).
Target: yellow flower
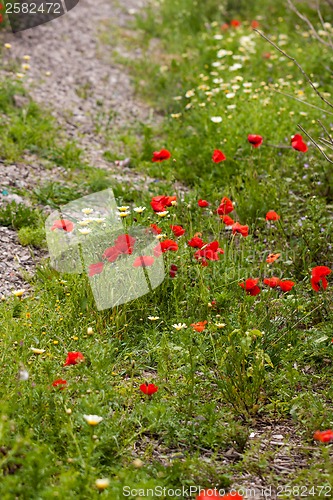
(20,75)
(123,209)
(102,484)
(90,331)
(19,293)
(25,67)
(87,211)
(124,214)
(26,58)
(92,419)
(8,46)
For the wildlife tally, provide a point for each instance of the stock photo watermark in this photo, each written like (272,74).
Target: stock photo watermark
(283,491)
(28,14)
(88,236)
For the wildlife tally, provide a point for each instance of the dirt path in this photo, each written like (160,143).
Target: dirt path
(73,75)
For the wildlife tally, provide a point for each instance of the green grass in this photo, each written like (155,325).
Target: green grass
(263,364)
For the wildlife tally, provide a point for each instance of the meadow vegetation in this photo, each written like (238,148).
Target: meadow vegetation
(239,342)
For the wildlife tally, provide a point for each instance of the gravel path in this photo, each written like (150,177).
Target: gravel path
(73,75)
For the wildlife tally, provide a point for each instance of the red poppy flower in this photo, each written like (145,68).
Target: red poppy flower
(169,200)
(255,24)
(164,246)
(173,270)
(224,26)
(60,383)
(157,206)
(155,229)
(73,358)
(199,326)
(143,261)
(203,203)
(159,203)
(196,242)
(64,224)
(226,206)
(210,251)
(162,155)
(272,282)
(272,257)
(238,228)
(228,221)
(111,254)
(251,286)
(1,18)
(298,143)
(178,230)
(271,215)
(218,156)
(125,244)
(323,436)
(266,55)
(235,23)
(318,274)
(209,494)
(255,140)
(148,389)
(96,268)
(286,285)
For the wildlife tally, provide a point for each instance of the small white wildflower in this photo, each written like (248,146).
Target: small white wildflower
(189,93)
(84,222)
(180,326)
(92,419)
(87,211)
(216,119)
(139,210)
(235,67)
(85,230)
(37,351)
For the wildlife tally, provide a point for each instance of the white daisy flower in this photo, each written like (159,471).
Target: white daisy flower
(139,210)
(180,326)
(92,419)
(216,119)
(85,230)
